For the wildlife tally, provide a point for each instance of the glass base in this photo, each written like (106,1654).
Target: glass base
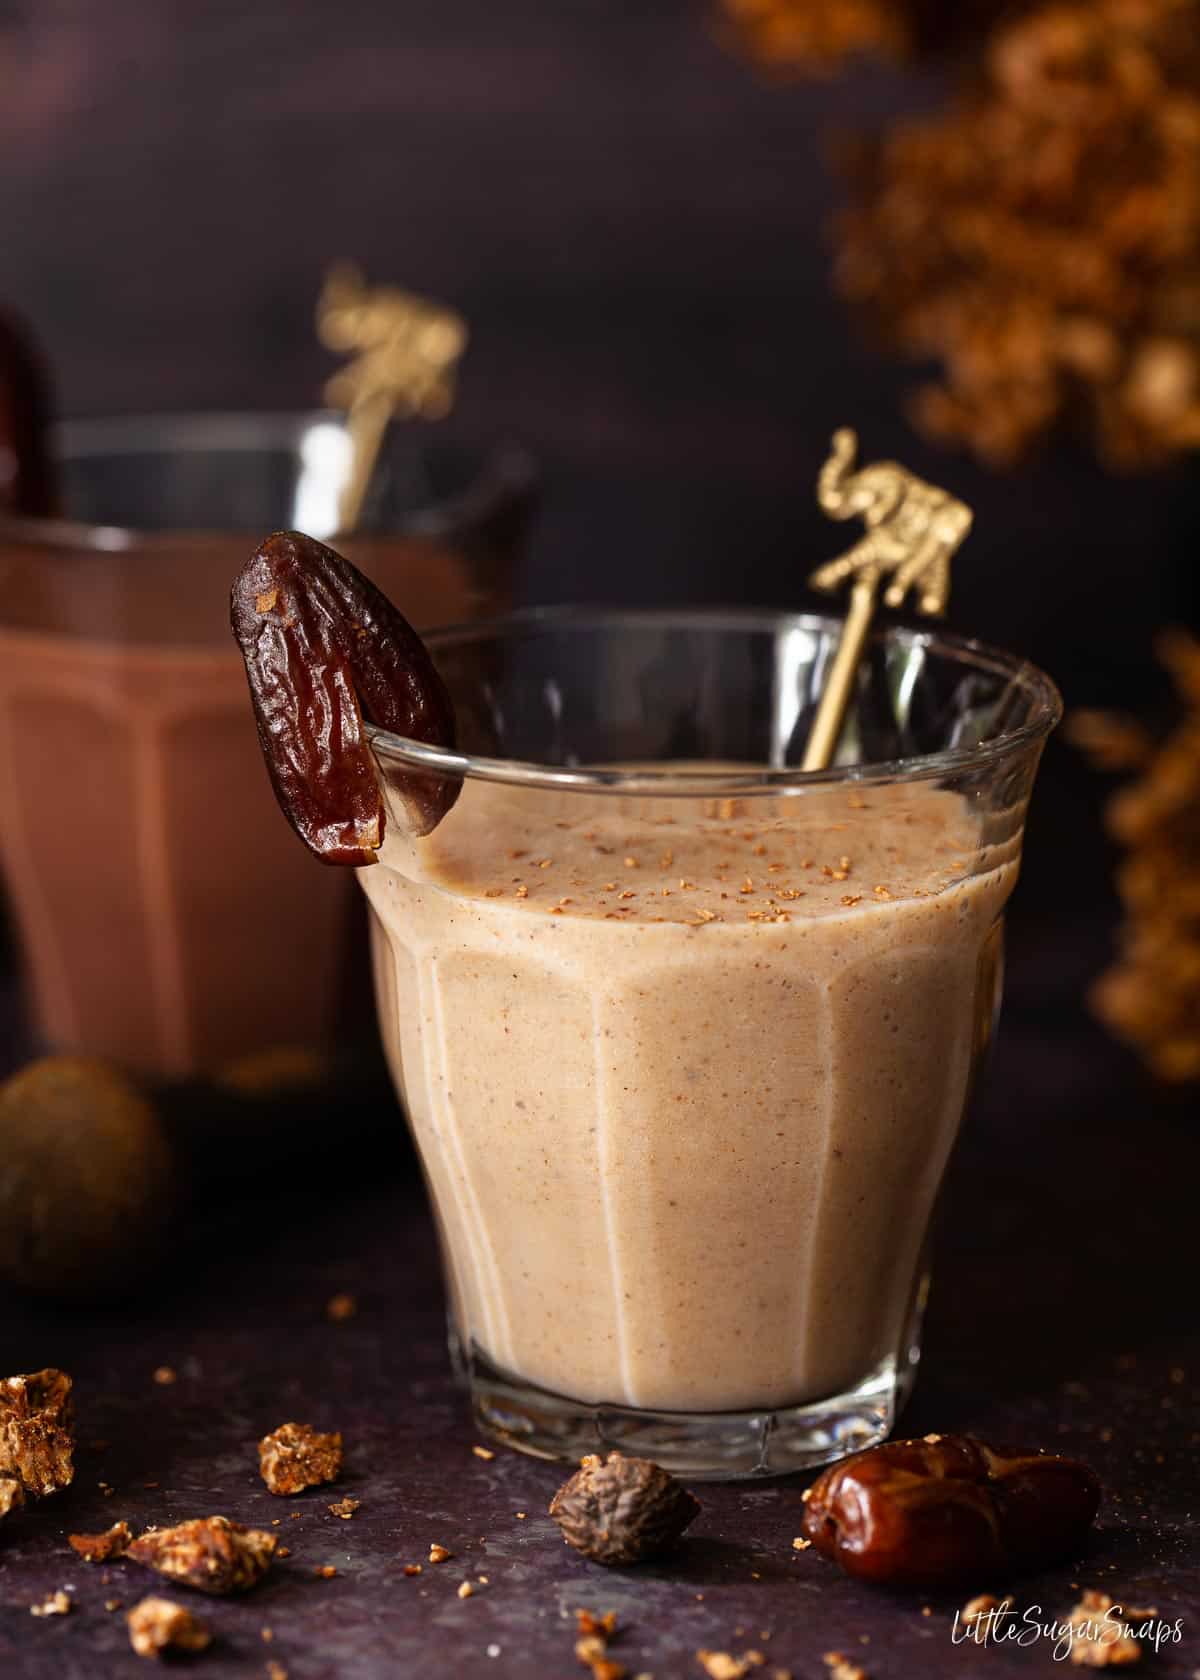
(698,1446)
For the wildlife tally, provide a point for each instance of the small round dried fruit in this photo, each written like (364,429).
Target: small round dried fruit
(324,651)
(86,1178)
(620,1510)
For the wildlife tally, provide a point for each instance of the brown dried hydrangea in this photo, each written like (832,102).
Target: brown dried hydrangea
(211,1554)
(156,1625)
(813,37)
(296,1456)
(1041,238)
(1151,996)
(35,1431)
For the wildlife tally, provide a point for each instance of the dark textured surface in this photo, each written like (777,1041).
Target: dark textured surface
(1063,1304)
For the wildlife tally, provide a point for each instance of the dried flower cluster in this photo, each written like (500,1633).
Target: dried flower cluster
(1151,995)
(813,37)
(1041,238)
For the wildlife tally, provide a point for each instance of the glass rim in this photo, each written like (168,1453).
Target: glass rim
(419,755)
(500,466)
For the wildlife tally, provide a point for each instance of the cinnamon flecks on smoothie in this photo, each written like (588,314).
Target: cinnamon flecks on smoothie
(599,1086)
(325,650)
(296,1456)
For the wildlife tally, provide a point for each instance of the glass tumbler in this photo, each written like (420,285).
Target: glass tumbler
(164,916)
(686,1035)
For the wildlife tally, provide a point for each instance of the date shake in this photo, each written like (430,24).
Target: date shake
(685,1074)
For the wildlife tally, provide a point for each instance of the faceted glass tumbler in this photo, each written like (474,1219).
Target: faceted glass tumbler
(686,1035)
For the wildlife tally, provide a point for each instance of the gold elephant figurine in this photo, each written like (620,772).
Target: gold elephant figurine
(913,528)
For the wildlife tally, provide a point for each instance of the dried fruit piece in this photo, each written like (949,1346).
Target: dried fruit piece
(931,1512)
(54,1604)
(12,1495)
(1103,1633)
(295,1456)
(324,650)
(619,1510)
(211,1554)
(344,1508)
(156,1625)
(35,1431)
(98,1548)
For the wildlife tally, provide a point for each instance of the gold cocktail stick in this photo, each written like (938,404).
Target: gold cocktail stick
(913,530)
(406,350)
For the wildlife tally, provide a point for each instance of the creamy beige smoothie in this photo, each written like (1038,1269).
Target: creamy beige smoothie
(685,1075)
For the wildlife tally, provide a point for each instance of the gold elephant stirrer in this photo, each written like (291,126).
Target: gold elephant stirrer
(407,348)
(913,530)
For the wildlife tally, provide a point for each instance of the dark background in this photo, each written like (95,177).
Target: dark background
(635,223)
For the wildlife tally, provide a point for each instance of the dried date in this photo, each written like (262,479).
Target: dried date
(326,651)
(935,1511)
(26,471)
(619,1510)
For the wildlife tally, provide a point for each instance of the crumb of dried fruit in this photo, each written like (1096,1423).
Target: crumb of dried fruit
(439,1554)
(412,1568)
(35,1431)
(589,1649)
(1102,1632)
(211,1554)
(326,1571)
(341,1307)
(283,1551)
(98,1548)
(165,1375)
(604,1668)
(605,1626)
(721,1665)
(465,1589)
(55,1604)
(276,1671)
(111,1604)
(800,1544)
(295,1456)
(12,1495)
(983,1605)
(841,1668)
(156,1625)
(344,1508)
(618,1510)
(483,1452)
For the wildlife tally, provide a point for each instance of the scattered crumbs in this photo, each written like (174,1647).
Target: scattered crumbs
(412,1568)
(881,892)
(521,1515)
(465,1589)
(344,1508)
(851,899)
(326,1571)
(544,863)
(603,1627)
(483,1580)
(165,1374)
(983,1605)
(439,1554)
(111,1604)
(98,1548)
(283,1551)
(800,1544)
(57,1604)
(841,1668)
(275,1521)
(721,1665)
(1098,1637)
(628,893)
(483,1452)
(701,916)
